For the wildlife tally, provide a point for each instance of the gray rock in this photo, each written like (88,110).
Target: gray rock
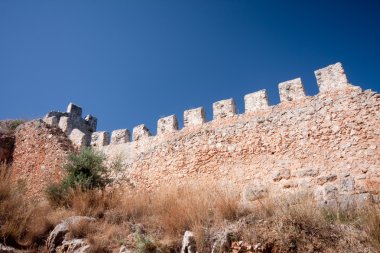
(188,243)
(281,174)
(222,241)
(73,246)
(56,236)
(6,249)
(254,191)
(124,249)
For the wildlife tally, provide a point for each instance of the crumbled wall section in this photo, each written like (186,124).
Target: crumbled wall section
(327,144)
(40,151)
(78,130)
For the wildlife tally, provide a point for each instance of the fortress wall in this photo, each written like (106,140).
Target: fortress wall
(327,144)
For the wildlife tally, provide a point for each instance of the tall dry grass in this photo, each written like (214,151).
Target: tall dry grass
(151,221)
(23,223)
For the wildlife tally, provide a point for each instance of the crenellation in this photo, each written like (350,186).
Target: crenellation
(281,148)
(291,90)
(92,122)
(167,124)
(256,101)
(78,138)
(120,136)
(65,124)
(331,77)
(72,119)
(52,120)
(140,132)
(74,110)
(224,108)
(100,139)
(193,117)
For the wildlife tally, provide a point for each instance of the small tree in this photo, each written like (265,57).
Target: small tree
(85,170)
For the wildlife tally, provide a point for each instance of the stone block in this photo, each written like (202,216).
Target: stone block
(331,78)
(168,124)
(92,122)
(140,132)
(291,90)
(53,120)
(256,101)
(194,117)
(120,136)
(224,108)
(65,125)
(100,139)
(74,110)
(78,138)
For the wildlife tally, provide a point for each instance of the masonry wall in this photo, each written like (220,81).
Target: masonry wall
(327,144)
(39,153)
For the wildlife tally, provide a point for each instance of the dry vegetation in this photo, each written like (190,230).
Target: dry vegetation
(155,221)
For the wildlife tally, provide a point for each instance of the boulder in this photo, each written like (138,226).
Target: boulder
(6,249)
(73,246)
(57,236)
(188,243)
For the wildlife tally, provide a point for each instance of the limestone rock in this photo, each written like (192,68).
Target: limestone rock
(56,237)
(188,243)
(254,191)
(6,249)
(73,246)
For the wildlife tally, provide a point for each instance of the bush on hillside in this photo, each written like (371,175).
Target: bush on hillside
(84,170)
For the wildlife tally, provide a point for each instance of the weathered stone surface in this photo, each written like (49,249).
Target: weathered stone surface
(78,138)
(168,124)
(72,119)
(56,236)
(188,243)
(254,191)
(291,90)
(40,151)
(222,239)
(194,117)
(140,132)
(7,141)
(256,101)
(92,122)
(281,174)
(100,139)
(6,249)
(53,120)
(124,249)
(120,136)
(75,110)
(224,108)
(331,77)
(65,125)
(315,140)
(73,246)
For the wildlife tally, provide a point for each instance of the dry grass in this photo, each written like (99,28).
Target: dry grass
(23,224)
(156,220)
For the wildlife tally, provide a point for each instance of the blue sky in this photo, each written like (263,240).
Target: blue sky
(132,62)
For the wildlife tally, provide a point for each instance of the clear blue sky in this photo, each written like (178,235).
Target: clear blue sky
(132,62)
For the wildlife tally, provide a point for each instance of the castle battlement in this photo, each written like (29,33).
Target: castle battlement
(330,78)
(79,130)
(327,144)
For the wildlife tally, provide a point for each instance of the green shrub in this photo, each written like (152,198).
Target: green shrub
(84,170)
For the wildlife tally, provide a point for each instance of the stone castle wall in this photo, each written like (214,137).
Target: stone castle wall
(40,150)
(327,144)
